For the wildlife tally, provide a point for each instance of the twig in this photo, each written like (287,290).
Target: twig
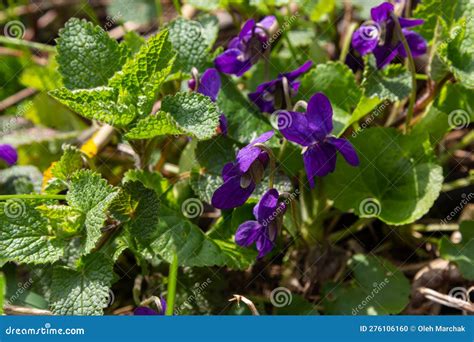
(15,98)
(446,300)
(27,43)
(237,298)
(411,64)
(23,311)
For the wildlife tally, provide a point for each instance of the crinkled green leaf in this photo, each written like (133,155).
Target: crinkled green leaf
(87,56)
(151,126)
(445,13)
(396,182)
(142,76)
(151,180)
(178,235)
(392,83)
(70,162)
(460,50)
(462,254)
(193,113)
(25,236)
(65,221)
(91,195)
(336,81)
(137,208)
(99,104)
(82,291)
(187,37)
(378,288)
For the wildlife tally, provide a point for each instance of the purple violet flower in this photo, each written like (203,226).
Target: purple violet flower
(210,84)
(263,232)
(244,50)
(145,311)
(8,154)
(271,94)
(380,37)
(312,130)
(241,177)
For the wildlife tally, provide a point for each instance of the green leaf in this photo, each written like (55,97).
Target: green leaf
(193,113)
(460,50)
(214,153)
(454,97)
(142,76)
(70,162)
(378,288)
(392,83)
(435,123)
(91,195)
(462,254)
(39,112)
(151,180)
(151,126)
(25,235)
(87,56)
(210,28)
(396,182)
(132,42)
(82,291)
(193,247)
(187,37)
(101,104)
(137,208)
(433,11)
(244,120)
(204,185)
(205,5)
(336,81)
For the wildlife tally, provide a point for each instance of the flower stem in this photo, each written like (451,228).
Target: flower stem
(347,42)
(27,43)
(172,280)
(31,196)
(411,65)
